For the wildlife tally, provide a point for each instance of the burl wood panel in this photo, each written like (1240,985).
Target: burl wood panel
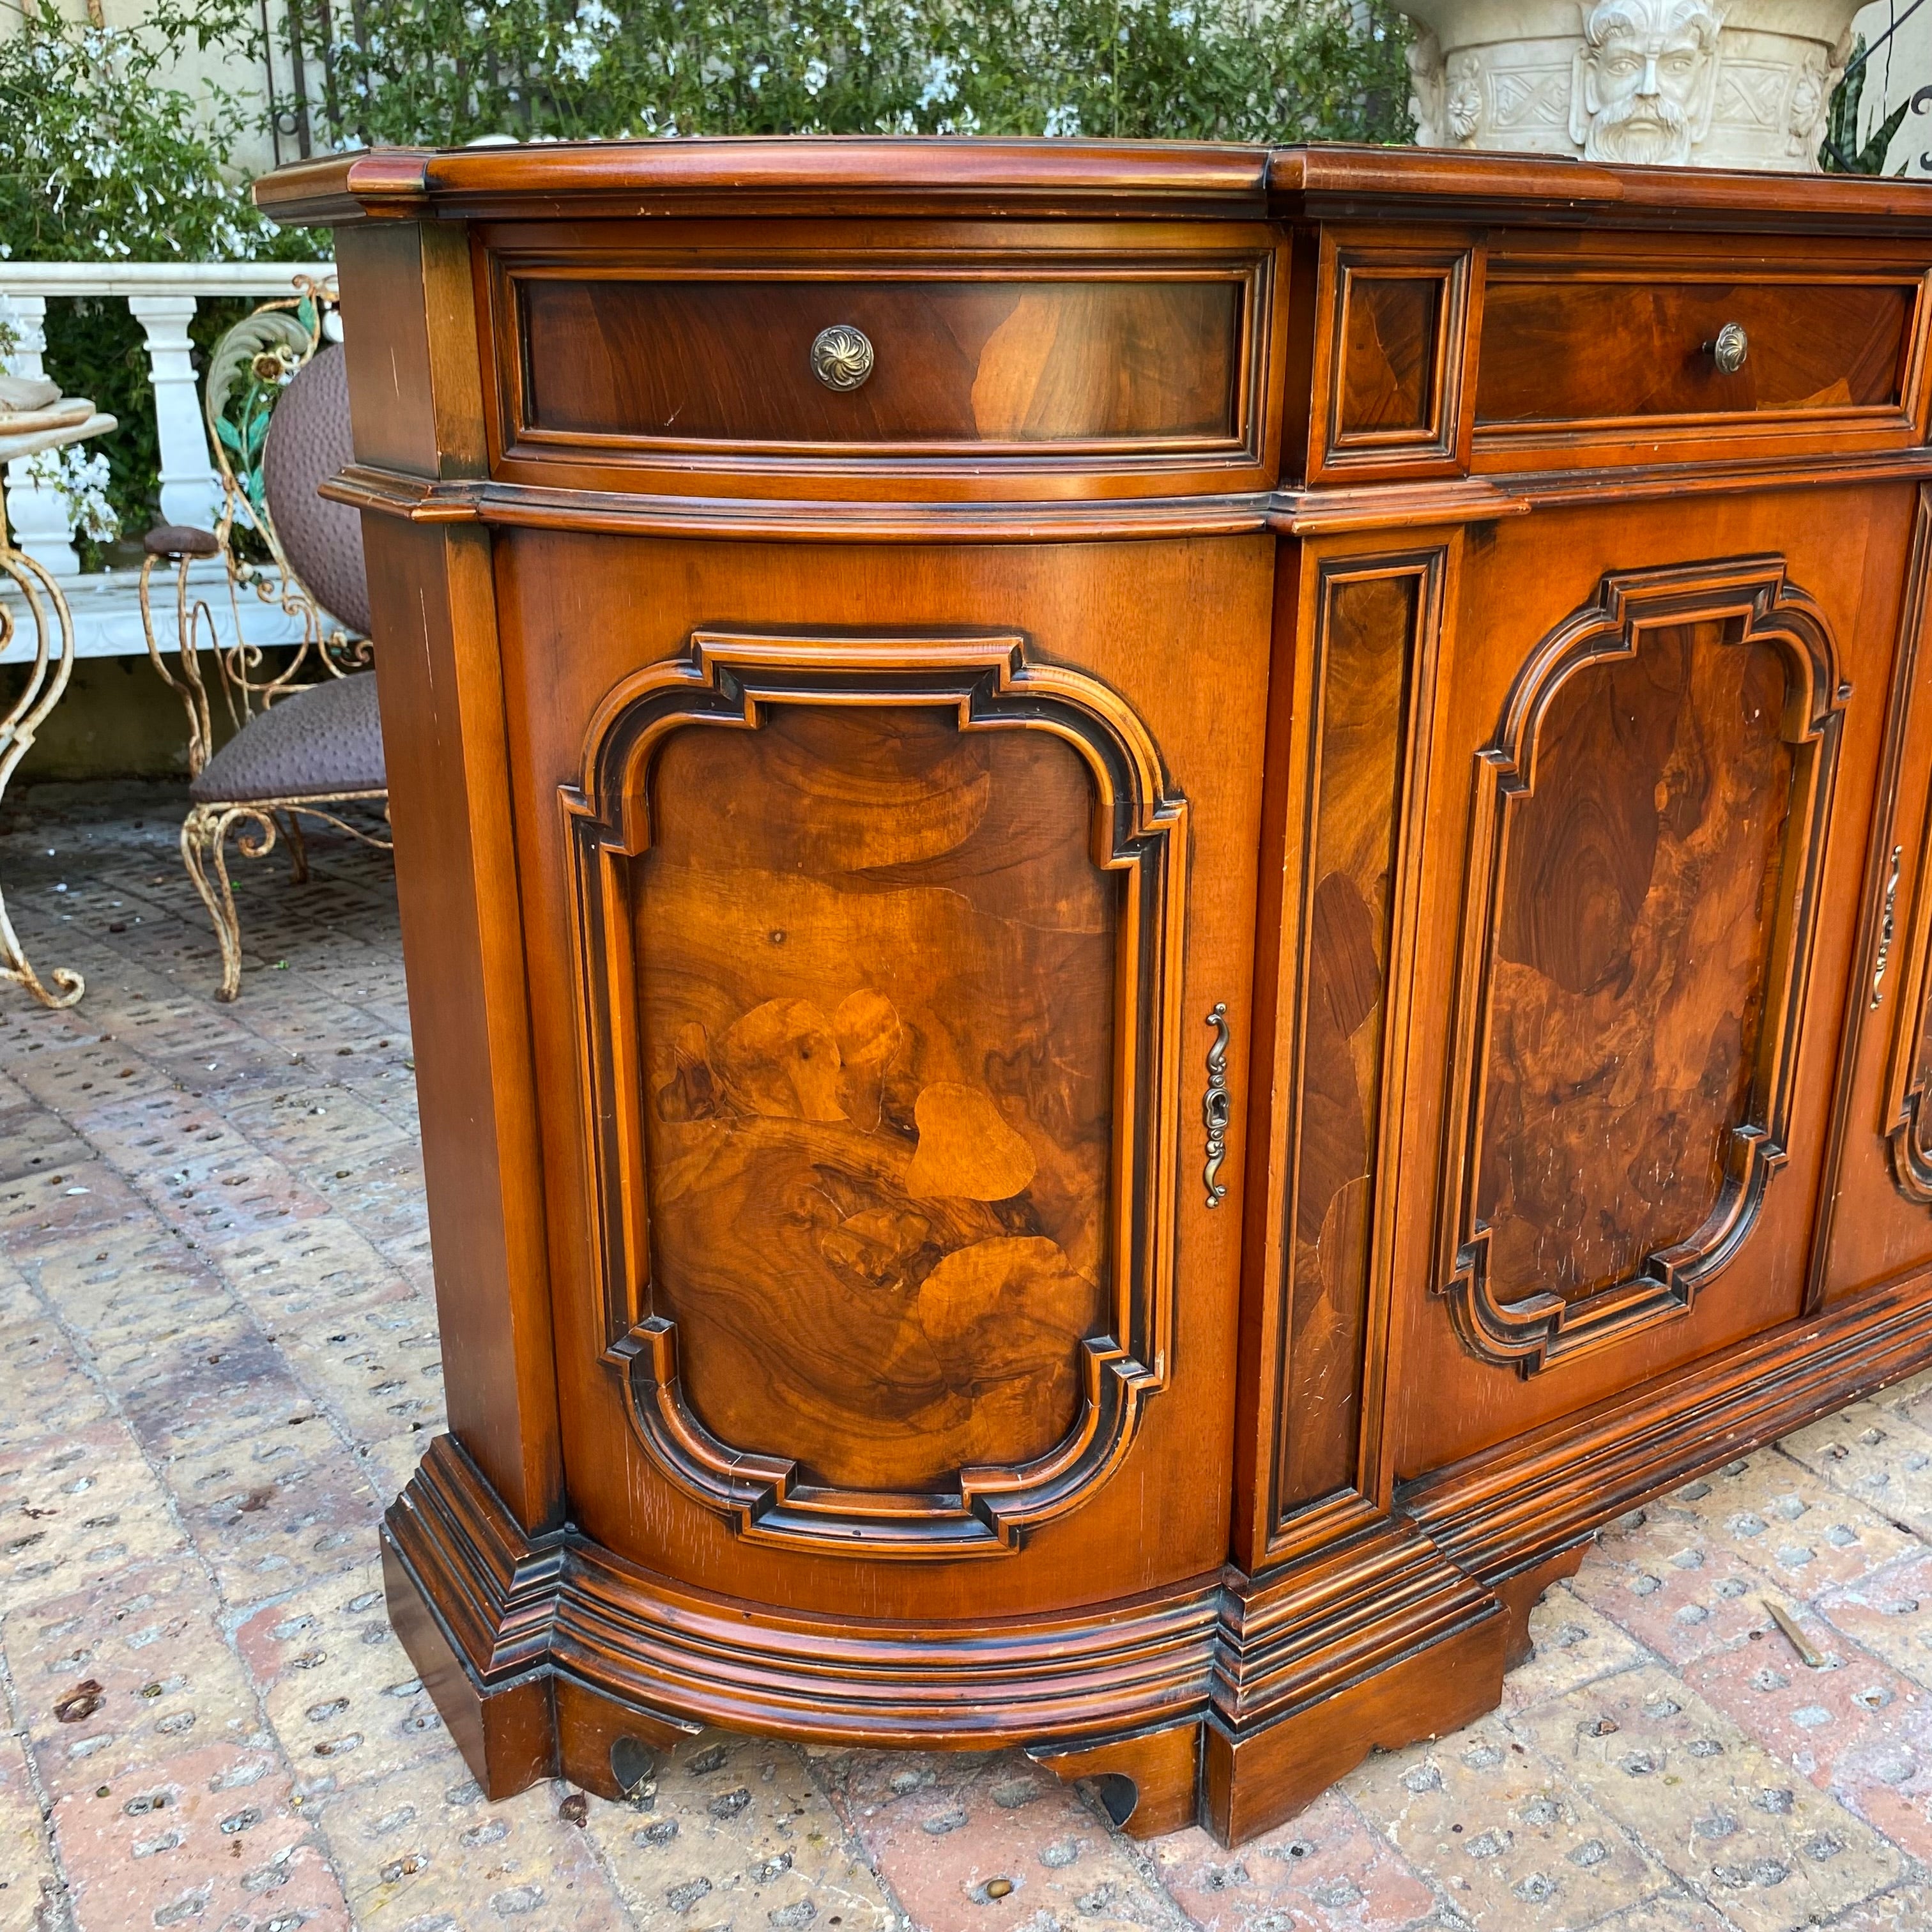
(875,987)
(1391,330)
(1369,628)
(1558,350)
(970,360)
(1635,920)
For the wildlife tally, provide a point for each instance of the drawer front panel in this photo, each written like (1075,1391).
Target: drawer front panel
(1576,350)
(1116,362)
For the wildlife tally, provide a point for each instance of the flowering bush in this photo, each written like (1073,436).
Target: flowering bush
(444,71)
(99,160)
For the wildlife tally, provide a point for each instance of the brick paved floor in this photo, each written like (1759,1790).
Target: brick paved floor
(218,1360)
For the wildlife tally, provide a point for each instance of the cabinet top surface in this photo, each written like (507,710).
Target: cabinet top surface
(820,175)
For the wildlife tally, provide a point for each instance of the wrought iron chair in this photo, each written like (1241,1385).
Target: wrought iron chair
(306,740)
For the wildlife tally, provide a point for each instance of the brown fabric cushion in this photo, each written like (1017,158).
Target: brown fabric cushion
(326,738)
(180,540)
(308,443)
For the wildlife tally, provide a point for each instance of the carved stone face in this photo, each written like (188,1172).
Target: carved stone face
(1645,79)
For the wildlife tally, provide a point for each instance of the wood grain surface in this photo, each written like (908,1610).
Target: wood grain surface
(876,986)
(1564,350)
(970,361)
(1633,931)
(1371,626)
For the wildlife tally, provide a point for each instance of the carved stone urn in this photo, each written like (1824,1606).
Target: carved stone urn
(1701,83)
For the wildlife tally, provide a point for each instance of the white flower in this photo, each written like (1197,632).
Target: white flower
(80,478)
(939,84)
(1062,120)
(816,74)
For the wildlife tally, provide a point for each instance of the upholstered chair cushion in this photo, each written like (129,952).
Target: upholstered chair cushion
(308,443)
(325,739)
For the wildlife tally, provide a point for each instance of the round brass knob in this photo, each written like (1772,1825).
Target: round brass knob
(1730,349)
(842,357)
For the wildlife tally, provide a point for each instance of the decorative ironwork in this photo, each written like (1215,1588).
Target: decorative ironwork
(250,366)
(1217,1106)
(1888,925)
(841,356)
(46,678)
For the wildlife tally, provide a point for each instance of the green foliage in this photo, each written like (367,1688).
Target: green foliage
(1839,152)
(100,160)
(441,72)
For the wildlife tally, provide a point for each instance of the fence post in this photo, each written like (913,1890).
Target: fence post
(190,491)
(37,515)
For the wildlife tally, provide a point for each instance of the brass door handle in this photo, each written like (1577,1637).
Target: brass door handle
(1888,928)
(1730,348)
(1217,1106)
(841,356)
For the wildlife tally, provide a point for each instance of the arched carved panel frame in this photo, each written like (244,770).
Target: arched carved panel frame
(1751,600)
(1908,1116)
(730,681)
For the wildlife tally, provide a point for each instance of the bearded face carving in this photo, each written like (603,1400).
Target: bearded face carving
(1645,79)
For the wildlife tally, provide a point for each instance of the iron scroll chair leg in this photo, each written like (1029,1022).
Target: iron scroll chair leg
(46,678)
(203,837)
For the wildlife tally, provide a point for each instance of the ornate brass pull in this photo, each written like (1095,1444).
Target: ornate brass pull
(1216,1108)
(1730,349)
(1887,926)
(841,356)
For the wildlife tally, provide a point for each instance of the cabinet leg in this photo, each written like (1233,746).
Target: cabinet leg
(507,1735)
(1523,1592)
(1251,1782)
(1149,1783)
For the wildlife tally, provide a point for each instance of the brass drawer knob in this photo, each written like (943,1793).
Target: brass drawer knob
(1730,349)
(841,356)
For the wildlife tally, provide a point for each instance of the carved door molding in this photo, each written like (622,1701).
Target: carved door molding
(1719,606)
(1909,1069)
(1137,836)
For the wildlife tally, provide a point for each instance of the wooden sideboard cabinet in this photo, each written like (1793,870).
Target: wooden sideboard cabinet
(1162,905)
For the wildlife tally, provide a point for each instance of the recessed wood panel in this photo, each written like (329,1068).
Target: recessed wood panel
(875,989)
(1633,936)
(1368,628)
(1391,330)
(1563,350)
(661,361)
(1647,838)
(877,948)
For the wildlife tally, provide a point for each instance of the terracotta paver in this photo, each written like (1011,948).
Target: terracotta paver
(219,1359)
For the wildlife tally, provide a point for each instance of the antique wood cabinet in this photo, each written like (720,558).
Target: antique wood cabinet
(1162,905)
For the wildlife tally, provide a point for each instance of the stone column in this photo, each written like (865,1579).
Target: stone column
(190,490)
(37,515)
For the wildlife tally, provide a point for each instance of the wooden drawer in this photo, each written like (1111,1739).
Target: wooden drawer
(1068,364)
(1633,352)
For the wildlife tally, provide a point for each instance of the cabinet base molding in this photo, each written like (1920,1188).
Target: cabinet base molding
(1234,1701)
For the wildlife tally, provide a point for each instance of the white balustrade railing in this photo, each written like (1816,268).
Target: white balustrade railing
(162,297)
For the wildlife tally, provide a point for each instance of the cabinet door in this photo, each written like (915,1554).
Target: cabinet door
(1876,1224)
(892,894)
(1657,739)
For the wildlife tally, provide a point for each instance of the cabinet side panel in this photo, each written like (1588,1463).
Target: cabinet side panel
(433,610)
